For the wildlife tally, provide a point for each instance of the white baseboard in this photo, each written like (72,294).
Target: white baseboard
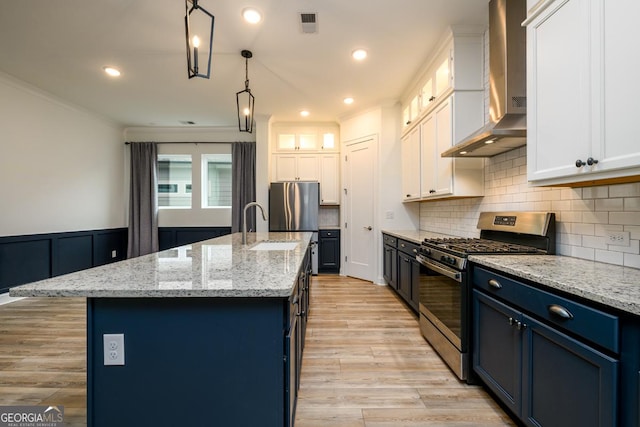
(6,299)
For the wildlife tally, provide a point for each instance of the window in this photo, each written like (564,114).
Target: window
(216,178)
(174,181)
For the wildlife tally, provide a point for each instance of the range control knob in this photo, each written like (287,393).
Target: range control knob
(425,251)
(447,259)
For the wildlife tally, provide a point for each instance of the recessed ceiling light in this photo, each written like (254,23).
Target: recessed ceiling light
(359,54)
(304,113)
(348,101)
(491,141)
(112,71)
(463,152)
(251,15)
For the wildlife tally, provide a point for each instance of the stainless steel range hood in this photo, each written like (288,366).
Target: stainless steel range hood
(507,85)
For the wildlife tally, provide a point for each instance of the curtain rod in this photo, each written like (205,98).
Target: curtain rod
(168,142)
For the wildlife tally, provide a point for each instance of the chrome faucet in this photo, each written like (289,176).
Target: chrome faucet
(244,219)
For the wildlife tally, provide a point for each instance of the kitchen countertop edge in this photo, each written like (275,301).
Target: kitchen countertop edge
(215,268)
(611,285)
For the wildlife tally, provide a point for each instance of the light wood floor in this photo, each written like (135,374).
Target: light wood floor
(365,362)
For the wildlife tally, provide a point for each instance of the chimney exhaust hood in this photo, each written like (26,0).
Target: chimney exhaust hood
(507,128)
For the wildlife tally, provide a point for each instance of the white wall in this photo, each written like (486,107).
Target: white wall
(196,141)
(582,214)
(61,167)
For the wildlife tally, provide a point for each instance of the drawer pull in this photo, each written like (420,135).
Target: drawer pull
(560,311)
(495,284)
(521,326)
(511,321)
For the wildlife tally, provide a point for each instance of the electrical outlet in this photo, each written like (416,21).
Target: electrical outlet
(618,238)
(113,349)
(114,253)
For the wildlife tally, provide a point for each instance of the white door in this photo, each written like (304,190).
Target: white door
(360,248)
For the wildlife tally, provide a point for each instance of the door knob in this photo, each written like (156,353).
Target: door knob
(368,228)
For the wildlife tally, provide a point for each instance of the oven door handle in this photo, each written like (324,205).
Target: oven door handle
(451,274)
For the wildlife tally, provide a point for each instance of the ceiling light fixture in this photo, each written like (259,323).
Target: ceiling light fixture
(348,101)
(251,15)
(198,20)
(304,113)
(359,54)
(245,100)
(112,71)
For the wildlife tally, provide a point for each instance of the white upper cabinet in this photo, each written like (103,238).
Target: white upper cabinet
(308,153)
(443,177)
(410,146)
(457,64)
(582,91)
(452,106)
(311,139)
(330,179)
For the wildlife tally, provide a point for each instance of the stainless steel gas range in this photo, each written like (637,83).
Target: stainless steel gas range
(445,288)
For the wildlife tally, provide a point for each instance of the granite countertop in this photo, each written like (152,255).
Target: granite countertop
(416,236)
(611,285)
(220,267)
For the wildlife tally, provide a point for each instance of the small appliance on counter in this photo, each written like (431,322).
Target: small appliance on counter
(294,206)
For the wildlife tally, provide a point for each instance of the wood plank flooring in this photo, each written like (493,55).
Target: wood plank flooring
(365,362)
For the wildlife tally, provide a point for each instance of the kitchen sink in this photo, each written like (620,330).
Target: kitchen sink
(275,246)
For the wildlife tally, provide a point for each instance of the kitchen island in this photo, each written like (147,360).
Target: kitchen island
(211,332)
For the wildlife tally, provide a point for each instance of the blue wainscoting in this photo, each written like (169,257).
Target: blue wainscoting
(28,258)
(32,257)
(170,237)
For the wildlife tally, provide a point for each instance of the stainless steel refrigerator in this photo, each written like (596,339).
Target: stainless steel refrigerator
(294,206)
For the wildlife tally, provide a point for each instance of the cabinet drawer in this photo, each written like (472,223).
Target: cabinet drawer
(589,323)
(329,233)
(389,240)
(408,247)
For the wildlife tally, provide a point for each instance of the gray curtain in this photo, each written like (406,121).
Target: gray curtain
(243,165)
(143,200)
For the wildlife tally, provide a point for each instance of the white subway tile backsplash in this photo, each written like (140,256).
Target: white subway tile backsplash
(595,242)
(582,205)
(609,204)
(610,257)
(595,217)
(632,204)
(582,214)
(625,218)
(632,260)
(583,229)
(601,192)
(581,252)
(625,190)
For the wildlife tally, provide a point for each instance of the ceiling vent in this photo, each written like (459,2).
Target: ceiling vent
(309,23)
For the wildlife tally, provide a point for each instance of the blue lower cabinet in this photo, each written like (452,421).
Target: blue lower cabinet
(497,355)
(542,374)
(566,382)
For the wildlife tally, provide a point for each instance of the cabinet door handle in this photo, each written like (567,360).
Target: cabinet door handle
(560,311)
(494,284)
(511,321)
(520,326)
(591,161)
(408,195)
(368,228)
(580,163)
(406,260)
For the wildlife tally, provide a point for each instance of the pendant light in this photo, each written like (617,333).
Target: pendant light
(197,22)
(245,100)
